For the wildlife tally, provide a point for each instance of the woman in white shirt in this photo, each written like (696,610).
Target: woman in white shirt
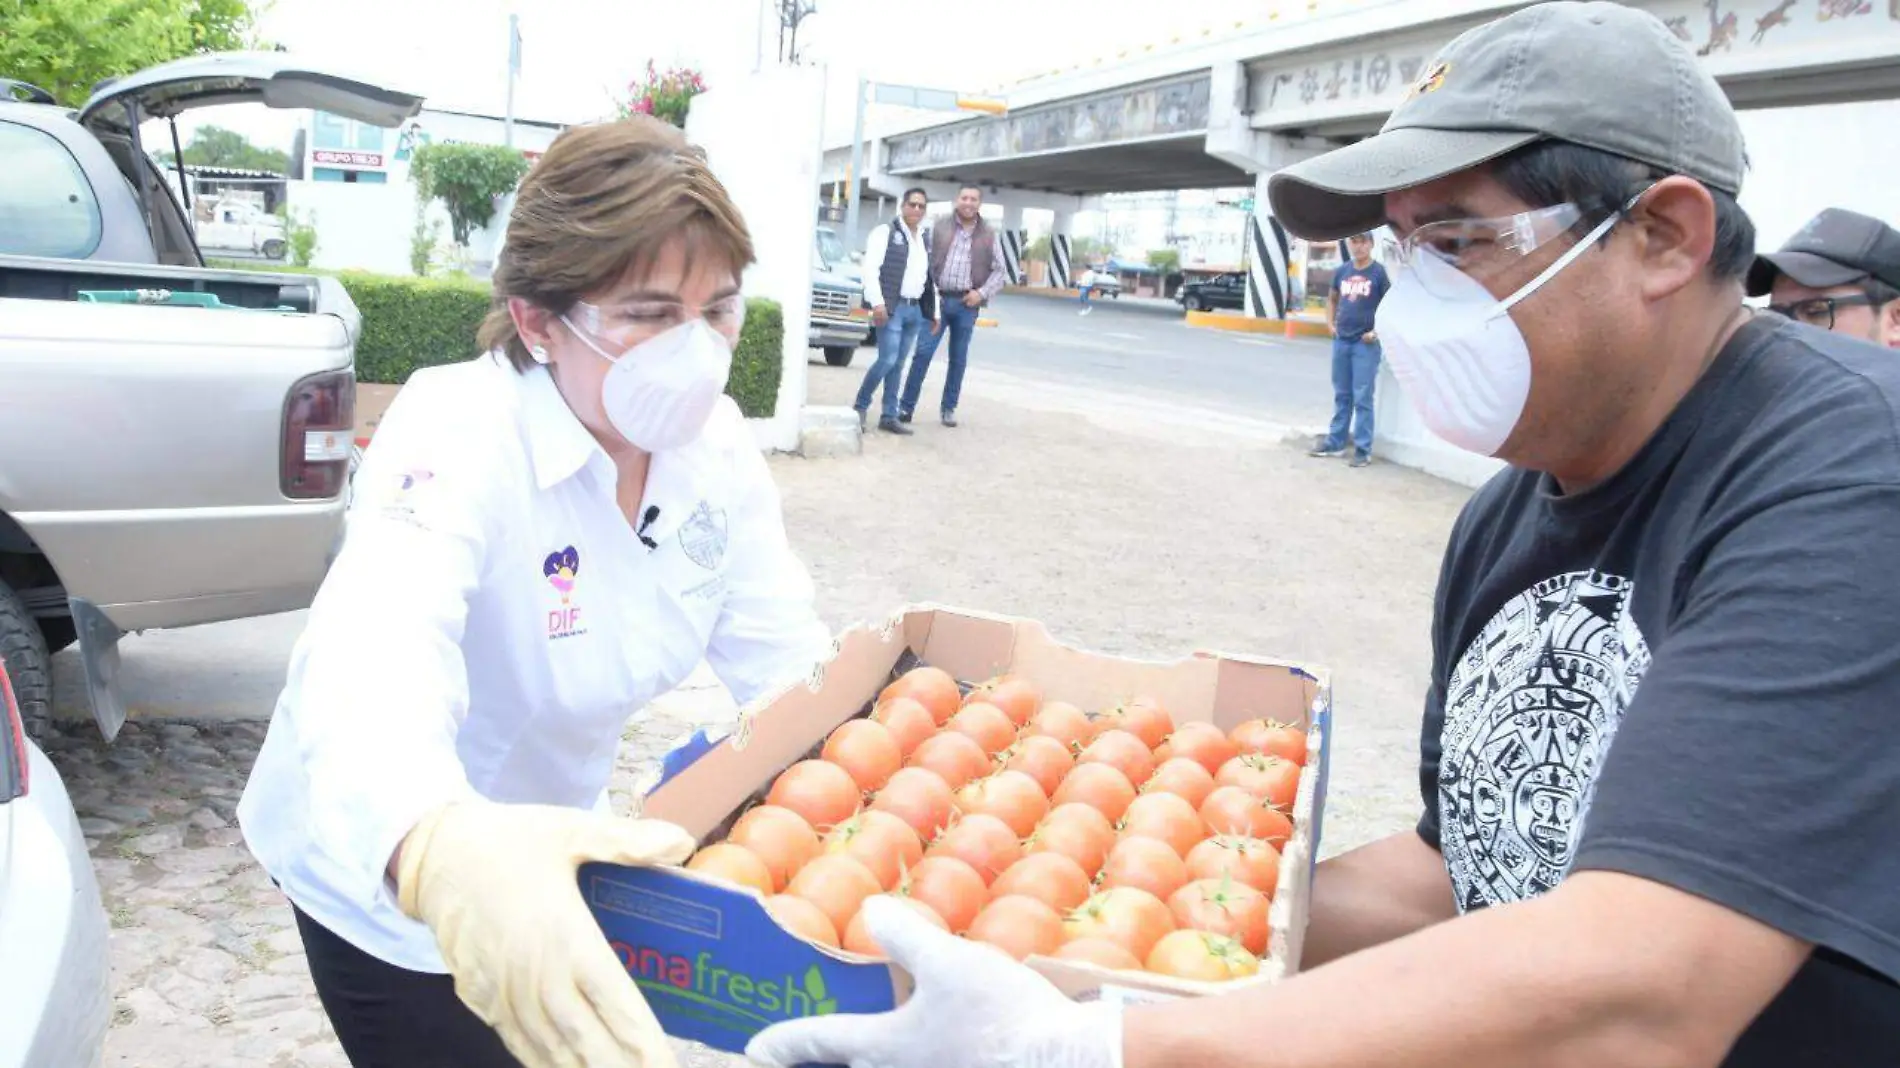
(544,539)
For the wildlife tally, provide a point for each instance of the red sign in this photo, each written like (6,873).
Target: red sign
(348,159)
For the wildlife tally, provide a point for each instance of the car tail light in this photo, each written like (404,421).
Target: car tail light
(319,424)
(15,768)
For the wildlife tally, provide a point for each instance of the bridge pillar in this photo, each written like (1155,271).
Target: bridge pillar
(1061,272)
(1269,253)
(1014,237)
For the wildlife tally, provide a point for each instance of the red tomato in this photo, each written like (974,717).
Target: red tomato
(955,757)
(1202,956)
(1043,759)
(857,938)
(909,722)
(1133,919)
(930,687)
(882,842)
(1062,721)
(1182,777)
(1167,818)
(1019,698)
(778,836)
(950,887)
(1077,831)
(983,842)
(1145,864)
(1122,751)
(1100,952)
(985,724)
(1232,810)
(1270,737)
(1020,926)
(803,919)
(920,798)
(1144,718)
(820,791)
(735,864)
(1051,878)
(1099,785)
(1244,860)
(867,751)
(1270,778)
(837,885)
(1203,743)
(1010,796)
(1224,907)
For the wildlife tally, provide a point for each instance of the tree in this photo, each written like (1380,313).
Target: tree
(1165,260)
(215,146)
(467,179)
(67,47)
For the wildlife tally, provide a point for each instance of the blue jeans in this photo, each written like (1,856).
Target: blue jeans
(894,340)
(959,321)
(1355,370)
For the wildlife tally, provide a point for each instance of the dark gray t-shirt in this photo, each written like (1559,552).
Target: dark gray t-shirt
(1691,673)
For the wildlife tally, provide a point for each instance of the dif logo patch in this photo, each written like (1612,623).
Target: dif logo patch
(562,570)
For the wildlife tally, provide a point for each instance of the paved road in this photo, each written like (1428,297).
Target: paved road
(1145,349)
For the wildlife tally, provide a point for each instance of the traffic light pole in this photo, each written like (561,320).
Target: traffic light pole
(906,96)
(857,170)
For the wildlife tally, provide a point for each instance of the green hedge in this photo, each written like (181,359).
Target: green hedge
(410,323)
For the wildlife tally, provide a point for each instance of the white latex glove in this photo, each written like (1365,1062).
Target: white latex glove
(973,1007)
(496,883)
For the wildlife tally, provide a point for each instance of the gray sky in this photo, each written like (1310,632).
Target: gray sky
(579,54)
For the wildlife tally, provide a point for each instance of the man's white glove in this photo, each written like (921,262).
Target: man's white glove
(973,1007)
(496,883)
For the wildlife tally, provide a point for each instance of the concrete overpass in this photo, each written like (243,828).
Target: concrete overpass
(1233,111)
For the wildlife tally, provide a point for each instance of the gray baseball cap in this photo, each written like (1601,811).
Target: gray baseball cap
(1835,247)
(1596,74)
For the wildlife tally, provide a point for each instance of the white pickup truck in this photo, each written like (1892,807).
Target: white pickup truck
(238,226)
(175,442)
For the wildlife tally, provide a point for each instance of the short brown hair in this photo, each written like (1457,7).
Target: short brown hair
(599,207)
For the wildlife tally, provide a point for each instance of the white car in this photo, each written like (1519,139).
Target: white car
(55,979)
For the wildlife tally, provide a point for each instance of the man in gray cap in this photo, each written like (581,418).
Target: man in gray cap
(1840,272)
(1658,750)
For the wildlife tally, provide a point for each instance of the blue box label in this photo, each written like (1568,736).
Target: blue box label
(713,964)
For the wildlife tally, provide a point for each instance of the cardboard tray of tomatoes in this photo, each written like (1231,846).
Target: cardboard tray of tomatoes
(1130,829)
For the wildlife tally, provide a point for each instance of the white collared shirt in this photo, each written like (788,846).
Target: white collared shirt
(493,621)
(916,262)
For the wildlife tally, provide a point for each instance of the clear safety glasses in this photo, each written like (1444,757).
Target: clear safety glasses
(1482,248)
(620,325)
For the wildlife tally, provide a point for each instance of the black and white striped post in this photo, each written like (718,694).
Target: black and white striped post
(1059,261)
(1013,255)
(1269,285)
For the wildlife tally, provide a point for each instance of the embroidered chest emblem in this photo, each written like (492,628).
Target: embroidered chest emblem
(703,536)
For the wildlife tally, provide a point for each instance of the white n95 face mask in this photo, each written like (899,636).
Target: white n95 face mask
(1462,361)
(660,393)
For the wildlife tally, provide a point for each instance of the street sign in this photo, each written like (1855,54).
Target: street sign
(1244,204)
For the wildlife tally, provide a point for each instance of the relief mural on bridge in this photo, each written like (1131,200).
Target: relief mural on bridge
(1378,77)
(1150,111)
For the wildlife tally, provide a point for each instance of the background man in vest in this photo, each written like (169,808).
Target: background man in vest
(902,296)
(966,262)
(1840,273)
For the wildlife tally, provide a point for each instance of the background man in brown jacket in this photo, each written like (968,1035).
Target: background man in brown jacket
(966,261)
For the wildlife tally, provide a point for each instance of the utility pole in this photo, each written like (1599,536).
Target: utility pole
(514,68)
(857,165)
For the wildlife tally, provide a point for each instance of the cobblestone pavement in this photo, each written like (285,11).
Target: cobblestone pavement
(1134,532)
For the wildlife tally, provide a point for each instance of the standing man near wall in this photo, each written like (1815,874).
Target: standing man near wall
(902,296)
(966,262)
(1840,273)
(1358,287)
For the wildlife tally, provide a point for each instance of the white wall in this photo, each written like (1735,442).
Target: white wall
(761,134)
(1829,156)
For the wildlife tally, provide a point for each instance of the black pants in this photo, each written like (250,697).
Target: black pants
(390,1017)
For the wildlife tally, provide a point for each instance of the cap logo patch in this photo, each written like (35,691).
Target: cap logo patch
(1433,77)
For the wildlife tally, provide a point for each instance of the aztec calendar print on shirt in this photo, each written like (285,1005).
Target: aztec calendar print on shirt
(1530,711)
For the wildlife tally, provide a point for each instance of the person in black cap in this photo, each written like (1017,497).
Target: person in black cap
(1841,272)
(1658,756)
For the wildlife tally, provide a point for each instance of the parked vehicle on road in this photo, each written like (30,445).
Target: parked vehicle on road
(840,322)
(55,976)
(226,225)
(1221,291)
(175,442)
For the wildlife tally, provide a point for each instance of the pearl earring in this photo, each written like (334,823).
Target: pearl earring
(540,353)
